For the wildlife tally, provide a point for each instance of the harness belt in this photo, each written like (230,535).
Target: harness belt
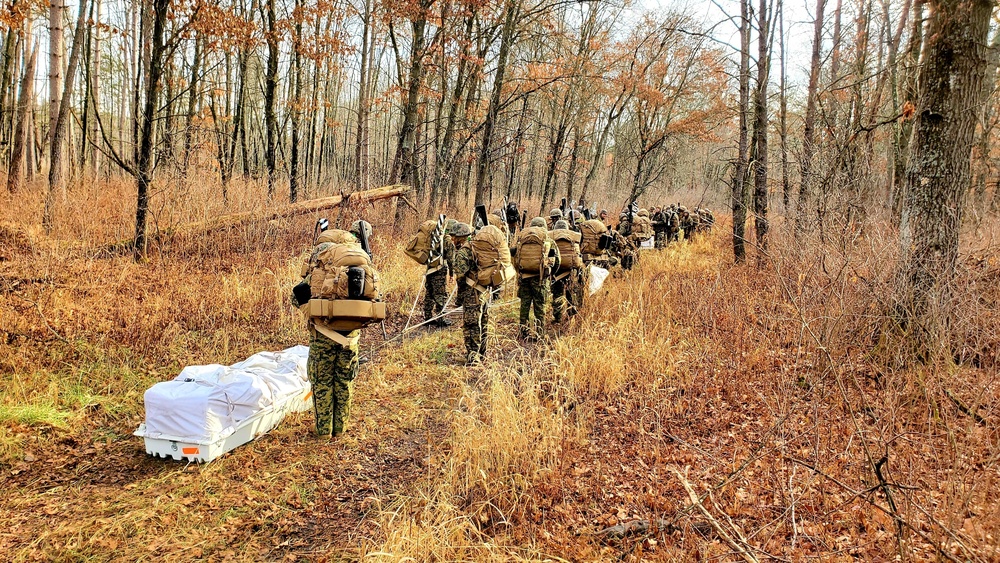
(328,332)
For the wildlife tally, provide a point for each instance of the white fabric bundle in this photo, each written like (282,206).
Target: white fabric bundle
(206,403)
(597,277)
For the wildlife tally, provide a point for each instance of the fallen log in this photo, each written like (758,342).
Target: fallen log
(281,212)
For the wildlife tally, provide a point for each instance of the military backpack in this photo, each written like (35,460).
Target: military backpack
(568,243)
(489,248)
(419,246)
(344,293)
(595,239)
(531,257)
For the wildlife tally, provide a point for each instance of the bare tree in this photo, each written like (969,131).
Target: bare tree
(938,173)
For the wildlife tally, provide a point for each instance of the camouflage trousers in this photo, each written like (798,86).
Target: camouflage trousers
(533,293)
(661,239)
(475,320)
(436,288)
(629,257)
(332,369)
(567,295)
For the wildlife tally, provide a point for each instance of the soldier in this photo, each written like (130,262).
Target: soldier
(533,288)
(436,280)
(475,302)
(673,223)
(686,223)
(333,359)
(567,287)
(656,219)
(705,220)
(603,216)
(554,215)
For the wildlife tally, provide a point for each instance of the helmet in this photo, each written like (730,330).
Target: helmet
(361,224)
(556,212)
(682,209)
(643,212)
(603,213)
(560,224)
(449,225)
(461,230)
(537,222)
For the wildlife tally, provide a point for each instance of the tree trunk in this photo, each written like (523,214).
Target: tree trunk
(361,161)
(406,168)
(786,186)
(902,144)
(506,38)
(25,97)
(144,168)
(270,88)
(194,94)
(739,195)
(937,175)
(293,177)
(56,8)
(62,121)
(804,207)
(760,196)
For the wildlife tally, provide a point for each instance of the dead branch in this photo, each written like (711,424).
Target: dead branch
(635,527)
(696,502)
(863,495)
(281,212)
(961,406)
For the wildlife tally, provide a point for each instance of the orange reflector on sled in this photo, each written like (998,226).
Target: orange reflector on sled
(190,451)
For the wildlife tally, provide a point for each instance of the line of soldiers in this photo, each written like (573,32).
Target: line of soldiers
(674,222)
(561,281)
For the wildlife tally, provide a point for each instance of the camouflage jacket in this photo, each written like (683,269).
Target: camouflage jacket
(464,263)
(449,254)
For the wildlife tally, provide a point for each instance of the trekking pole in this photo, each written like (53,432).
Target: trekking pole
(419,291)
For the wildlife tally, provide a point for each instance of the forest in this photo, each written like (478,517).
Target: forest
(815,377)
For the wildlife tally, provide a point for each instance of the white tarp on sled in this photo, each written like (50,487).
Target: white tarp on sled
(221,407)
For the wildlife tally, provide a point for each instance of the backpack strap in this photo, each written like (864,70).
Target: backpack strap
(562,276)
(328,332)
(474,284)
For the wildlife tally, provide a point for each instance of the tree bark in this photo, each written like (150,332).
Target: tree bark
(270,88)
(56,181)
(25,97)
(56,8)
(786,186)
(511,9)
(145,162)
(760,195)
(804,207)
(296,103)
(937,175)
(739,190)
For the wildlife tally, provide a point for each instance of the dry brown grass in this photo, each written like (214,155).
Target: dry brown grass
(780,386)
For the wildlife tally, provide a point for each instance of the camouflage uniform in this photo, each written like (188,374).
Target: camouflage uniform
(475,305)
(660,228)
(436,283)
(332,369)
(533,293)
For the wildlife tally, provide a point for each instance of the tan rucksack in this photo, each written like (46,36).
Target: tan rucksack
(419,247)
(591,232)
(489,248)
(331,302)
(642,228)
(568,243)
(532,251)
